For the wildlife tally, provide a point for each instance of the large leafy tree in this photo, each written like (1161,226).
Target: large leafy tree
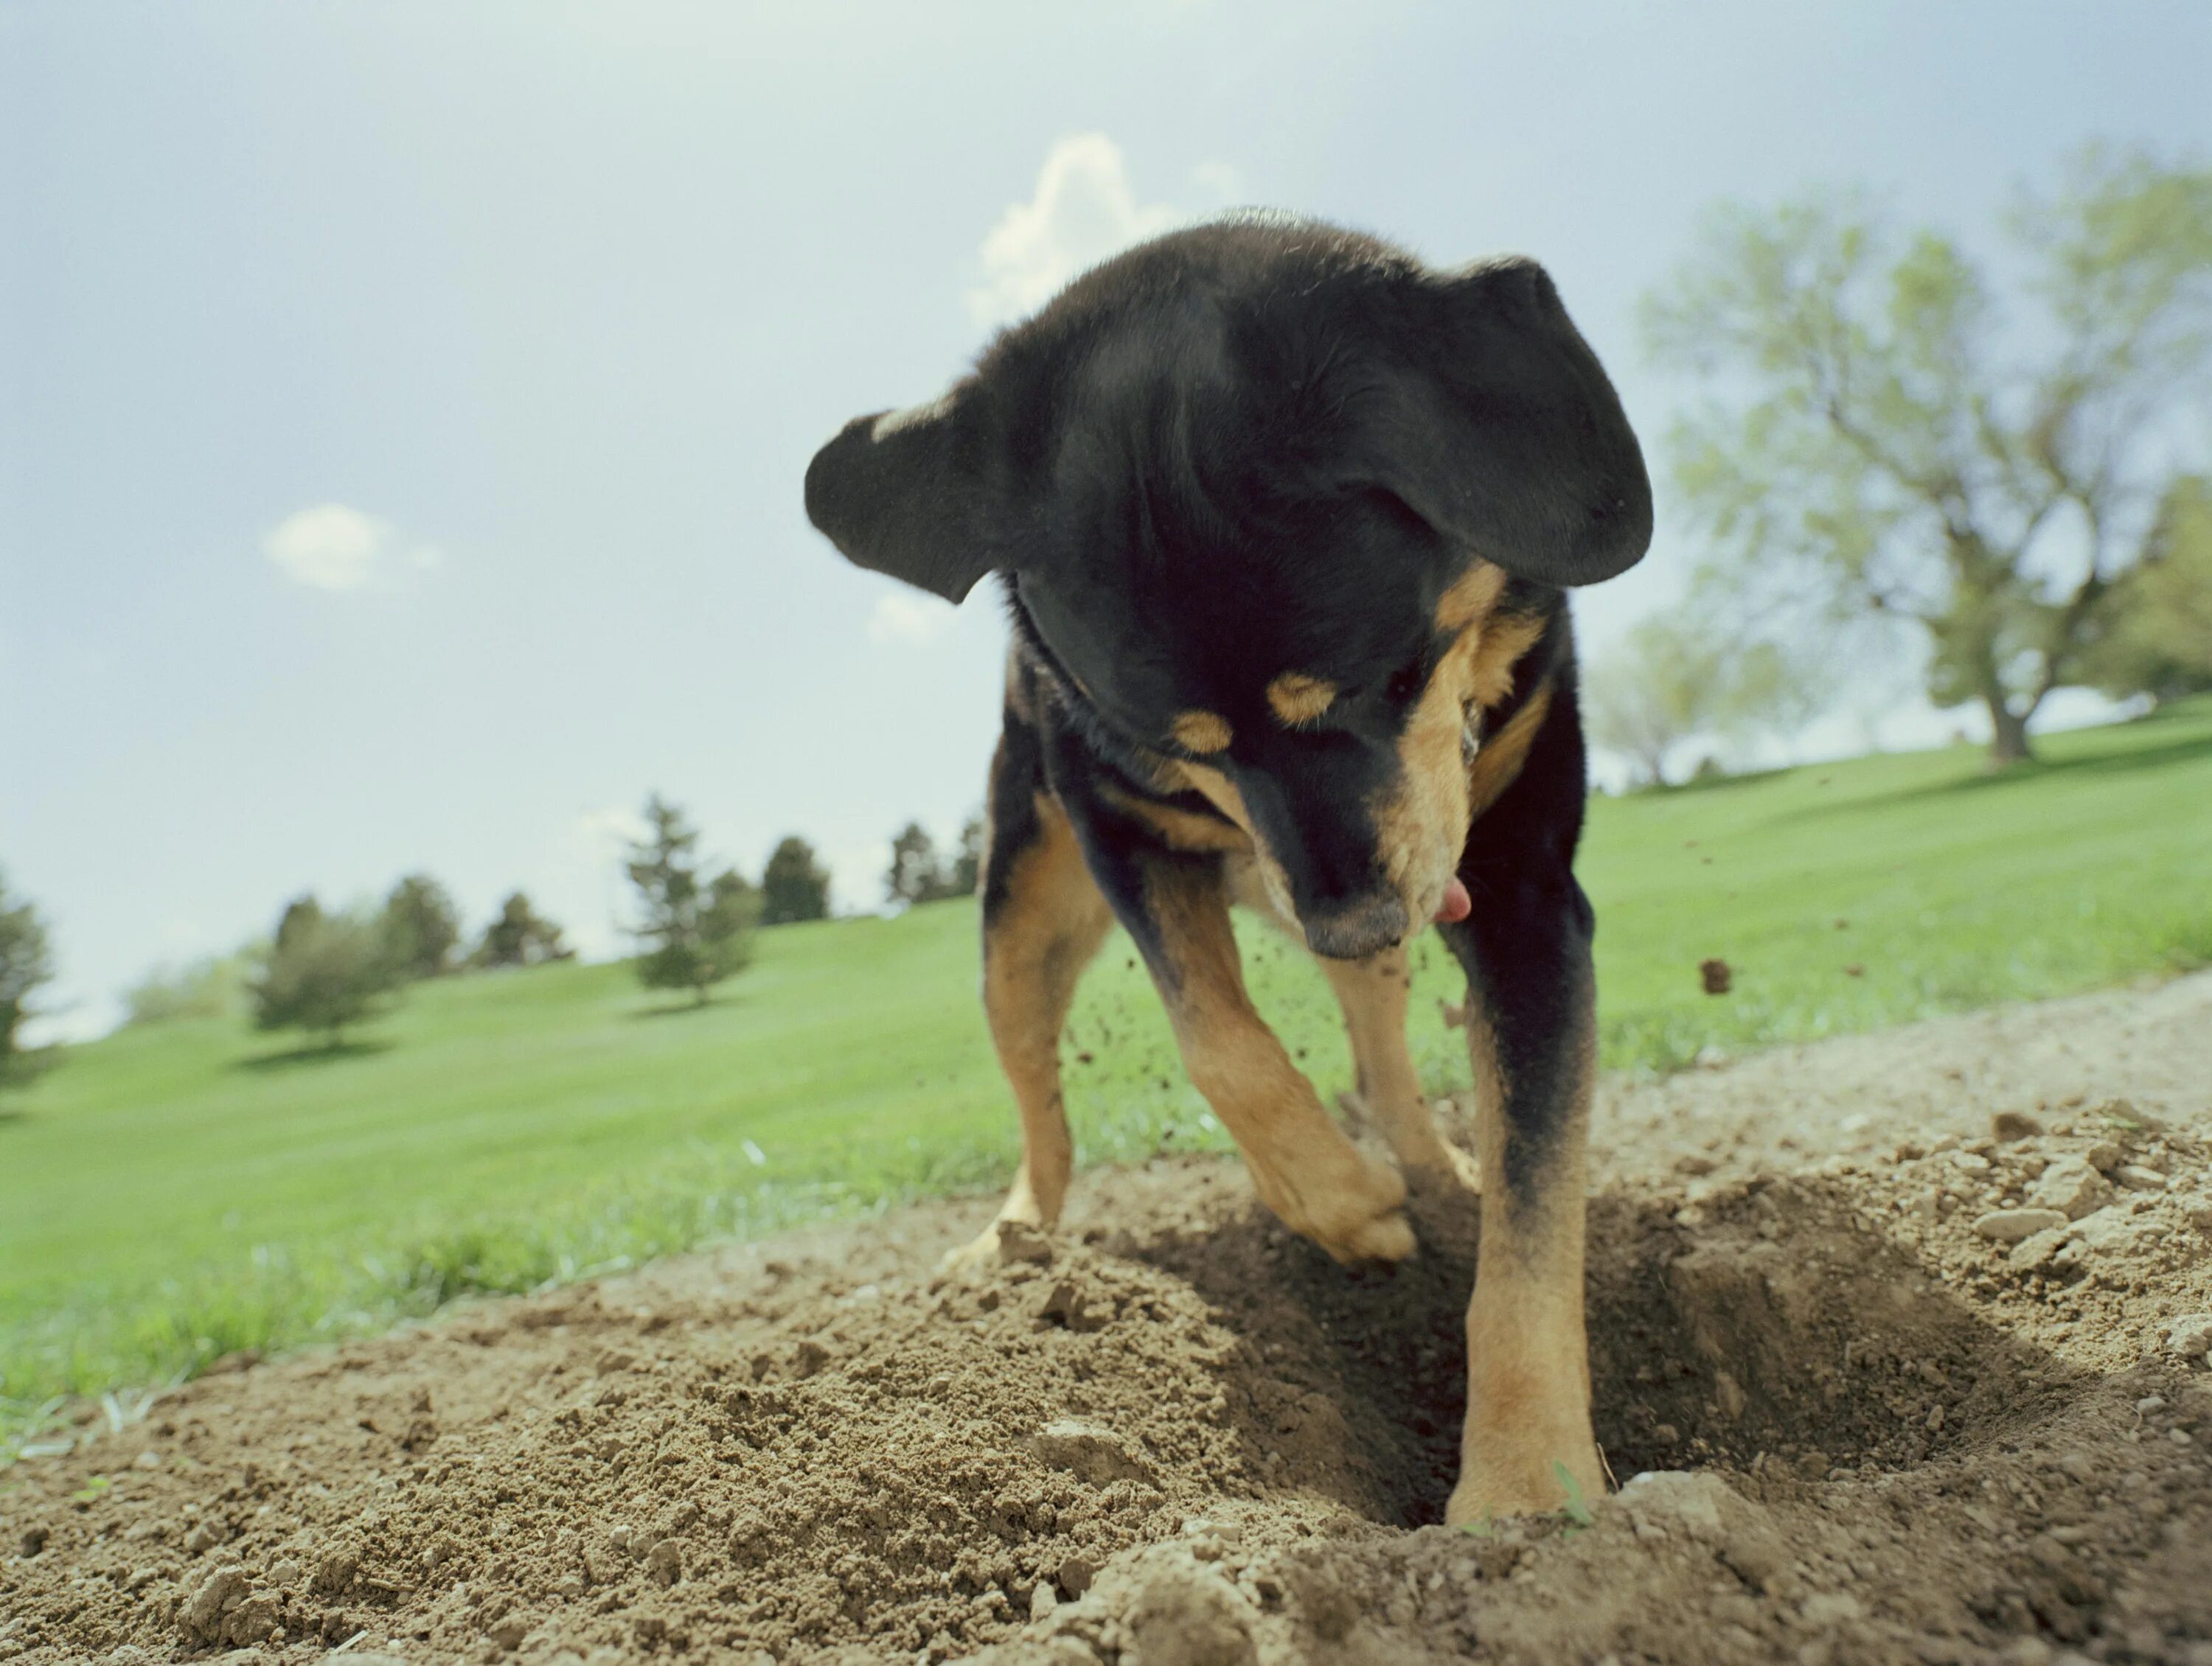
(2153,630)
(323,973)
(1884,438)
(25,962)
(698,931)
(795,886)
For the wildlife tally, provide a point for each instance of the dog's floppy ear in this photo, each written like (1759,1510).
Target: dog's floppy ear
(911,493)
(1504,434)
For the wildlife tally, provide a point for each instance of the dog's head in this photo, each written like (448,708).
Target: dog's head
(1256,487)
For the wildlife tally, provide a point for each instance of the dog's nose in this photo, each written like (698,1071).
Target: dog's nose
(1354,931)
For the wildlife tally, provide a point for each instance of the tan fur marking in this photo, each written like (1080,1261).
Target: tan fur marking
(1471,597)
(1035,948)
(1302,1166)
(1528,1350)
(1299,698)
(1505,637)
(1200,731)
(1373,993)
(1499,761)
(1183,830)
(1424,829)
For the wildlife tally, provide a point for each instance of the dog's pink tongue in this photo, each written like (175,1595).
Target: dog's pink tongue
(1456,905)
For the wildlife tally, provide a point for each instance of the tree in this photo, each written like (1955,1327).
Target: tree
(700,933)
(1874,448)
(795,886)
(421,927)
(967,861)
(2153,628)
(519,936)
(913,876)
(917,875)
(323,972)
(1676,676)
(25,962)
(207,987)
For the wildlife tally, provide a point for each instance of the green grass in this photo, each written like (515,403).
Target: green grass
(172,1193)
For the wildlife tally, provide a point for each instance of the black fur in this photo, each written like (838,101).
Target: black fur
(1262,445)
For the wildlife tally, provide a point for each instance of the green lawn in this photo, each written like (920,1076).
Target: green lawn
(171,1193)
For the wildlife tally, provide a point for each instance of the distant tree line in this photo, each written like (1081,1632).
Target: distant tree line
(918,875)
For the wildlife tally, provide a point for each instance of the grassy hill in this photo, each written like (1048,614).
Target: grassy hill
(173,1192)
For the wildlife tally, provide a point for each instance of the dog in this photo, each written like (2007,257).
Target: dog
(1284,521)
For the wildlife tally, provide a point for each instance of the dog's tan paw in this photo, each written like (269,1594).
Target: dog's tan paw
(1347,1202)
(1006,1240)
(1527,1481)
(1449,1162)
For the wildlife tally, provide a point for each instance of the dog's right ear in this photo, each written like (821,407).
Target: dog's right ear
(914,493)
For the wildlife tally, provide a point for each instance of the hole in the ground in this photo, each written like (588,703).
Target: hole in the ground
(1780,1332)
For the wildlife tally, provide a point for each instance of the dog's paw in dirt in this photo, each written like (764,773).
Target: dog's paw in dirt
(1351,1204)
(1004,1242)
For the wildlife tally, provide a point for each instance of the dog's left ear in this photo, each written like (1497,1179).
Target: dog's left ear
(914,493)
(1502,432)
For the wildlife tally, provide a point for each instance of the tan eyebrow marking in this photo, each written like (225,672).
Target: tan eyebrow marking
(1200,731)
(1471,596)
(1298,698)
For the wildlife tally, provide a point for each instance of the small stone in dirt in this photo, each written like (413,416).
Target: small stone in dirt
(2190,1337)
(334,1573)
(286,1572)
(34,1541)
(205,1536)
(1090,1452)
(1714,976)
(1076,1574)
(665,1561)
(1068,1306)
(2072,1187)
(810,1358)
(1177,1618)
(202,1620)
(2135,1178)
(2010,1125)
(2011,1226)
(1675,1499)
(2037,1248)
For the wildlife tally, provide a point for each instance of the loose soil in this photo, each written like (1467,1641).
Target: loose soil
(1904,1337)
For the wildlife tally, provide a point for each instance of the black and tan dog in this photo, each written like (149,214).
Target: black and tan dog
(1284,519)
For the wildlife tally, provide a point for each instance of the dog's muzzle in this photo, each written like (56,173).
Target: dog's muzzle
(1355,930)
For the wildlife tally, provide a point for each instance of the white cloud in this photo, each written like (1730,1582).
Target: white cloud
(1084,210)
(902,616)
(329,547)
(333,545)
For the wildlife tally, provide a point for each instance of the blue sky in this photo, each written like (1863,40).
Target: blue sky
(402,407)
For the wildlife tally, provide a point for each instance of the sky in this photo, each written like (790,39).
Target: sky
(404,406)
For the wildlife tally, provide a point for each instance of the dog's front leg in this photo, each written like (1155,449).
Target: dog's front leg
(1531,1022)
(1176,906)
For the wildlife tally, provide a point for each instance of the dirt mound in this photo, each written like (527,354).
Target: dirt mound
(1913,1371)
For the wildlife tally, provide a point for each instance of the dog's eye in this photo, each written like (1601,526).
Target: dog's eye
(1408,680)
